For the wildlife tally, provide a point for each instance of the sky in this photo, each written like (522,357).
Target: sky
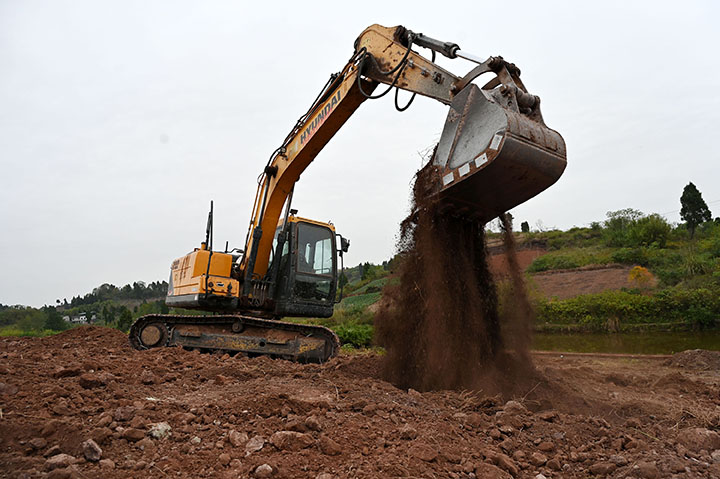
(121,120)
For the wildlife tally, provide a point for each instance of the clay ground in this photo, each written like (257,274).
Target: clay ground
(579,416)
(567,283)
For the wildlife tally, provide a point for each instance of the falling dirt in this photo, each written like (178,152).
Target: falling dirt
(441,326)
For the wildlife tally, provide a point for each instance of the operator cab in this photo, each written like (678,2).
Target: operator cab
(304,268)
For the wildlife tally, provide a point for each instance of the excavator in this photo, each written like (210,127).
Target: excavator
(495,152)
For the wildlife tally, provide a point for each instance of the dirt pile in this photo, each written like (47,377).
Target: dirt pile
(440,325)
(83,404)
(699,359)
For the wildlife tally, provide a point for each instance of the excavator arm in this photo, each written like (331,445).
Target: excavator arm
(480,125)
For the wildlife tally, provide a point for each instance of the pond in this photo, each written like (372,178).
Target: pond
(628,343)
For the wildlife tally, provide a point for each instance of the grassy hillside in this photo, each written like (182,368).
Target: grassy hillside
(684,292)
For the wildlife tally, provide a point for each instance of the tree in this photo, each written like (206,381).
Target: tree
(618,225)
(525,227)
(694,211)
(366,271)
(34,320)
(53,320)
(125,319)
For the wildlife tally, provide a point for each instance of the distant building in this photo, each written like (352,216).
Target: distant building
(82,318)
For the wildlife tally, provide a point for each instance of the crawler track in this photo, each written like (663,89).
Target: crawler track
(235,333)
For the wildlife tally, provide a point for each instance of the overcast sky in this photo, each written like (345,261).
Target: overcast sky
(121,120)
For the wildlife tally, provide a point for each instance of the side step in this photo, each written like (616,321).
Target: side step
(234,333)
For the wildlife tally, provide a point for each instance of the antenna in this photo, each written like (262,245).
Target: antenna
(209,228)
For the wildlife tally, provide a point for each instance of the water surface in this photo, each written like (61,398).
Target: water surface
(628,343)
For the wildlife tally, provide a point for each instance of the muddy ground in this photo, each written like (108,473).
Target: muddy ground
(231,417)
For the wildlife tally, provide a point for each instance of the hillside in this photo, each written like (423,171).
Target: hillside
(631,272)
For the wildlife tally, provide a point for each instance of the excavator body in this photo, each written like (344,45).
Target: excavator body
(495,153)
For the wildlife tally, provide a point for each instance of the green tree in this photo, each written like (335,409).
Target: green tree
(53,319)
(366,271)
(125,320)
(694,211)
(525,227)
(618,224)
(34,320)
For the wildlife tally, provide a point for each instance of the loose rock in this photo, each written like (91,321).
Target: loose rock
(37,443)
(160,430)
(90,381)
(91,450)
(488,471)
(407,432)
(312,423)
(514,408)
(236,438)
(59,460)
(255,444)
(291,440)
(132,434)
(646,470)
(423,452)
(263,471)
(329,446)
(602,468)
(124,414)
(538,459)
(697,438)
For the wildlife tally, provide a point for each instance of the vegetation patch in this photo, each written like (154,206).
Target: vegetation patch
(622,310)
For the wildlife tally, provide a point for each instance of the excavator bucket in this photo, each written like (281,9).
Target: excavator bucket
(495,152)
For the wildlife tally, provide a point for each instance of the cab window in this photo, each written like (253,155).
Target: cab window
(315,262)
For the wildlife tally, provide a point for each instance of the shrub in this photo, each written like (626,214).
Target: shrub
(651,230)
(699,307)
(570,258)
(631,256)
(618,224)
(640,276)
(548,262)
(357,335)
(695,263)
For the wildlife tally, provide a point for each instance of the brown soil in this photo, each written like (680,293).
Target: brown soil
(499,265)
(565,284)
(581,417)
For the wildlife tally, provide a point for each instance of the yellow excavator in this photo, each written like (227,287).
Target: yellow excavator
(495,152)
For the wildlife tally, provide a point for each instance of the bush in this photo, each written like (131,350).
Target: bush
(630,228)
(618,224)
(357,335)
(698,308)
(631,256)
(570,258)
(548,262)
(652,230)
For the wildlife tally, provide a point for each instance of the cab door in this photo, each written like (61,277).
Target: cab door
(310,273)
